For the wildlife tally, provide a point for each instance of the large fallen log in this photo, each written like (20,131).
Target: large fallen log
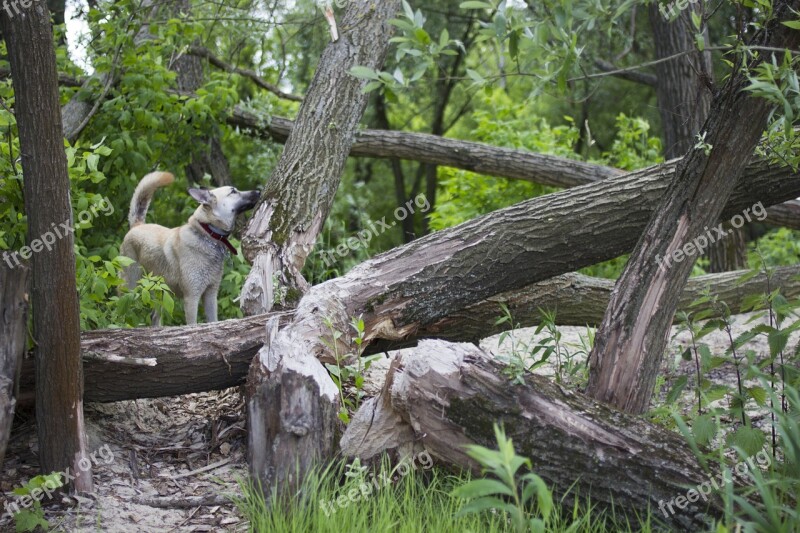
(475,157)
(13,335)
(445,396)
(125,364)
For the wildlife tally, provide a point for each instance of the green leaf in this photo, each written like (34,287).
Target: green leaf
(481,487)
(364,73)
(475,5)
(794,24)
(677,388)
(704,429)
(28,520)
(750,440)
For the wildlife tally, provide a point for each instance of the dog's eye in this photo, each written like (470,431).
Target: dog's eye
(233,191)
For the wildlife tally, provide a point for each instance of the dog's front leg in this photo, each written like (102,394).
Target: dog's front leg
(190,303)
(210,303)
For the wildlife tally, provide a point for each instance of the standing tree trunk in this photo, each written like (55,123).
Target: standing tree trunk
(633,335)
(683,89)
(292,401)
(300,192)
(56,324)
(13,329)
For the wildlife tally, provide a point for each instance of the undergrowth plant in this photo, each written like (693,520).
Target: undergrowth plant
(569,367)
(349,367)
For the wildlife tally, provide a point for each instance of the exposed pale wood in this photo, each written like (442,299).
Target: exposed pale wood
(633,335)
(300,192)
(445,396)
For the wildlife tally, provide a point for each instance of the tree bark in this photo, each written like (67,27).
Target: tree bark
(150,363)
(445,396)
(284,444)
(13,336)
(56,324)
(684,101)
(466,155)
(632,337)
(300,192)
(473,156)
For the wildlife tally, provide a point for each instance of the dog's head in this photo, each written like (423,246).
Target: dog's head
(220,206)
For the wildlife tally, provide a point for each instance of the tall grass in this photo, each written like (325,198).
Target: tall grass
(418,502)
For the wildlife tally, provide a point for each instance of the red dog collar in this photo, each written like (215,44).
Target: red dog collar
(217,236)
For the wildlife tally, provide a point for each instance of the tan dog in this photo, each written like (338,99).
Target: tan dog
(189,257)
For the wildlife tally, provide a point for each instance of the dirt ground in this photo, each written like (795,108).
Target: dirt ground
(177,461)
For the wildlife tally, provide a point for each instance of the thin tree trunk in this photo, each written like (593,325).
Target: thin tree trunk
(300,192)
(684,95)
(13,336)
(631,340)
(291,400)
(382,119)
(56,324)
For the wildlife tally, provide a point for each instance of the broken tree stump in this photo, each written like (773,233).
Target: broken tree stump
(444,396)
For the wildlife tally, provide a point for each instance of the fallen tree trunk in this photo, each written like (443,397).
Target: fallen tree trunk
(446,396)
(410,288)
(582,301)
(126,364)
(13,330)
(118,363)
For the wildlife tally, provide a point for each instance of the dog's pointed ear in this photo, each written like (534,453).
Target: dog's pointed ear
(201,195)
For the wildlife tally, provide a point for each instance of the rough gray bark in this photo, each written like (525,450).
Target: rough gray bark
(467,155)
(56,324)
(633,335)
(13,336)
(445,396)
(283,445)
(582,301)
(300,192)
(292,406)
(149,363)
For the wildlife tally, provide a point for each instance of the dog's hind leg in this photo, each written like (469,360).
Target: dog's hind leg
(132,272)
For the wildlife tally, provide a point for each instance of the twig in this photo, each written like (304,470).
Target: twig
(205,53)
(208,468)
(182,502)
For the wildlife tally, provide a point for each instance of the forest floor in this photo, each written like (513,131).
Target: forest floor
(175,462)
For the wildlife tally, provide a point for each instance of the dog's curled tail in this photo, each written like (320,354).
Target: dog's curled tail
(144,193)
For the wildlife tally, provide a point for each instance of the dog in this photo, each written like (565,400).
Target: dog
(189,257)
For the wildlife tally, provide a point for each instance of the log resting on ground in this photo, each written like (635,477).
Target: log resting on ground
(216,356)
(445,396)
